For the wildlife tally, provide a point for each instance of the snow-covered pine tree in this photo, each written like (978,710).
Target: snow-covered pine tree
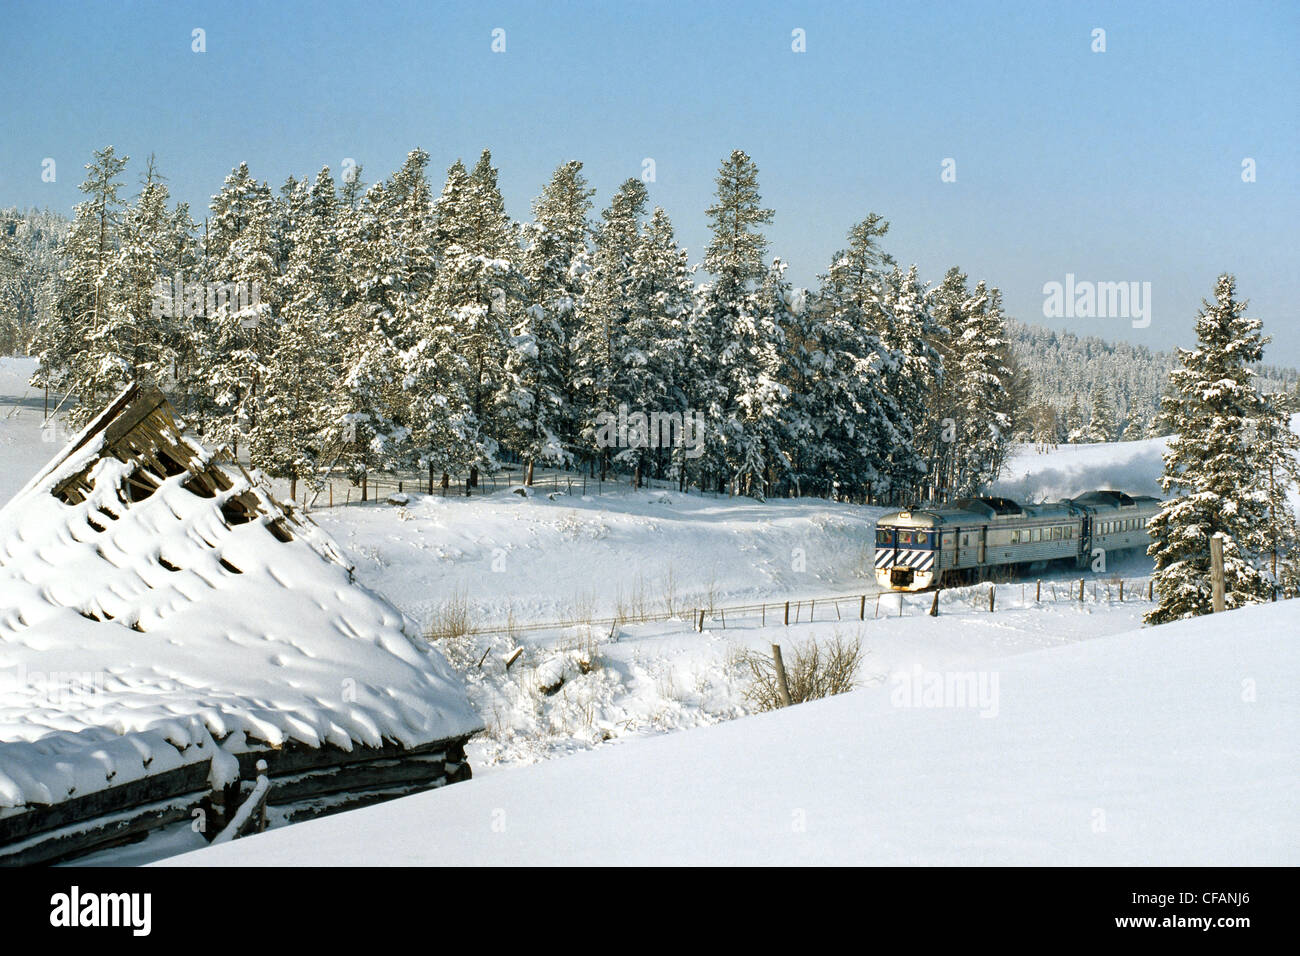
(1101,422)
(289,440)
(736,332)
(535,403)
(1211,467)
(1045,426)
(984,428)
(133,341)
(845,424)
(235,324)
(654,359)
(1277,452)
(65,363)
(940,432)
(604,376)
(362,421)
(1072,422)
(908,332)
(478,291)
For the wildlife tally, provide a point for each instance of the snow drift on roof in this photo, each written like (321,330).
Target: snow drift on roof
(154,599)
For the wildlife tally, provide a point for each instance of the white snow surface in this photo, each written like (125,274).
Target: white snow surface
(276,644)
(1174,745)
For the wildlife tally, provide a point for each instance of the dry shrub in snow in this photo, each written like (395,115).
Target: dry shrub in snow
(813,669)
(451,621)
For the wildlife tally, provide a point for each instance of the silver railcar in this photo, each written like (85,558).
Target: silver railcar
(966,539)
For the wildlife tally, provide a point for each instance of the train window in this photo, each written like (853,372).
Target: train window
(1056,533)
(965,541)
(923,539)
(904,537)
(1038,534)
(884,537)
(1069,532)
(1015,537)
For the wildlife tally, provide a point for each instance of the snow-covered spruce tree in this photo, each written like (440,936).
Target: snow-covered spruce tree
(737,335)
(536,401)
(238,317)
(908,333)
(289,439)
(65,362)
(842,420)
(1212,467)
(984,427)
(133,341)
(1133,431)
(759,460)
(1277,451)
(1044,426)
(1101,423)
(388,245)
(654,360)
(180,252)
(940,432)
(478,291)
(359,414)
(604,378)
(1072,421)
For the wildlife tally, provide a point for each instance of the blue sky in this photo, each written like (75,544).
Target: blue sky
(1115,166)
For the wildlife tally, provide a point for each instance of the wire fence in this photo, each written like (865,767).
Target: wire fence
(860,607)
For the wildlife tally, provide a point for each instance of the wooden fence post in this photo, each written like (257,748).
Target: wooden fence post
(934,605)
(1038,591)
(787,613)
(993,589)
(1121,590)
(782,686)
(862,609)
(1216,571)
(1080,590)
(700,627)
(1151,589)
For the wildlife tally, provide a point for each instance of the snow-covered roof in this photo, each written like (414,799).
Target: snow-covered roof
(155,603)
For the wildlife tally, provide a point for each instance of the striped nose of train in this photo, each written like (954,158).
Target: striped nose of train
(919,560)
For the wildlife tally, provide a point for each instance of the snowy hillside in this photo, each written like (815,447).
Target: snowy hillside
(1172,746)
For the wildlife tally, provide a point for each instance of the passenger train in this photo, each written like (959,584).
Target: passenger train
(966,539)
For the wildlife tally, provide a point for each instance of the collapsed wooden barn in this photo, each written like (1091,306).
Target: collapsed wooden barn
(165,626)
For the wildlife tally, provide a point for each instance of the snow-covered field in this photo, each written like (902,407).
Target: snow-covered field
(1166,746)
(927,785)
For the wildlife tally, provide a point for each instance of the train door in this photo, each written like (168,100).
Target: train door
(1085,540)
(984,544)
